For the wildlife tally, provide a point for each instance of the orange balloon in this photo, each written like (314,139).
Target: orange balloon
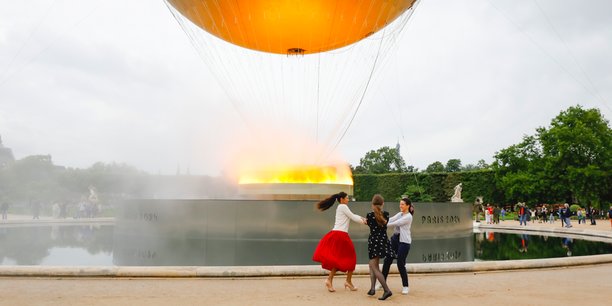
(292,26)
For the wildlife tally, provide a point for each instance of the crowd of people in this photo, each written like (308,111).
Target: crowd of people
(336,251)
(87,207)
(58,210)
(545,213)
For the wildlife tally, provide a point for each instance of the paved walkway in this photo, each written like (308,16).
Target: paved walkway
(578,285)
(602,225)
(583,285)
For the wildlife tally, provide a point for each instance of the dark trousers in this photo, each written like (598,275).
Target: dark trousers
(402,250)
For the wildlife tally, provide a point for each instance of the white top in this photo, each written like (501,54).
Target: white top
(402,224)
(343,217)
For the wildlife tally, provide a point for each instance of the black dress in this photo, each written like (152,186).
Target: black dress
(378,242)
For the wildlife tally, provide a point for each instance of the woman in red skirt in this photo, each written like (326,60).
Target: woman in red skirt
(336,251)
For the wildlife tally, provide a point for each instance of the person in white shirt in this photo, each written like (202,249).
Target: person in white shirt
(336,251)
(400,241)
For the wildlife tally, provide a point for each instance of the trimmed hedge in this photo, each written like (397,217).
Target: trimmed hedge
(439,185)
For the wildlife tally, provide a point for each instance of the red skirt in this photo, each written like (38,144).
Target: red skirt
(336,250)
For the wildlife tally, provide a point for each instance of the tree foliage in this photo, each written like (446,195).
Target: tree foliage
(431,187)
(577,152)
(568,162)
(383,160)
(36,178)
(453,165)
(480,165)
(435,167)
(417,193)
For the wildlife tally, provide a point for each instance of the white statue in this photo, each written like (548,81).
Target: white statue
(93,196)
(456,198)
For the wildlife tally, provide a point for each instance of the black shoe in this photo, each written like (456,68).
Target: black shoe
(385,295)
(372,292)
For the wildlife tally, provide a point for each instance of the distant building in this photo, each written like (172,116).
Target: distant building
(6,155)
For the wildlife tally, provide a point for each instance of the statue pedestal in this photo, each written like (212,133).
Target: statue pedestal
(456,200)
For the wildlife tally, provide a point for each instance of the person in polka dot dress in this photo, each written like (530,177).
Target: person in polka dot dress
(378,244)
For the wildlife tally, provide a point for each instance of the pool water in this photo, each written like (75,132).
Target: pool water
(100,245)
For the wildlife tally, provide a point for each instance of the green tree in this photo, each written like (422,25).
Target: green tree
(518,170)
(577,151)
(33,178)
(481,165)
(469,167)
(568,162)
(453,165)
(383,160)
(435,167)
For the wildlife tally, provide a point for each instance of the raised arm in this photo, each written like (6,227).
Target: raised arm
(403,220)
(347,212)
(396,217)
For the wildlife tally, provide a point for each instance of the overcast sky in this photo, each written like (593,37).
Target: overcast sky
(119,81)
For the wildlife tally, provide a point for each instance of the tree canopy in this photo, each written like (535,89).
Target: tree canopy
(570,161)
(383,160)
(435,167)
(453,165)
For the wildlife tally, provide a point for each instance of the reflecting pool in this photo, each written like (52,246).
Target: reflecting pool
(493,245)
(103,245)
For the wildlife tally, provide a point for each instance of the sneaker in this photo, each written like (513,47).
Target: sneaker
(405,290)
(378,287)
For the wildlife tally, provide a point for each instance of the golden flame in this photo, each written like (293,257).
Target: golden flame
(338,174)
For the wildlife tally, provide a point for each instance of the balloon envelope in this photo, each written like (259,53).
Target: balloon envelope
(292,26)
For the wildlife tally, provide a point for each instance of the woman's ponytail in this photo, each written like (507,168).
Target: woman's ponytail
(329,202)
(377,202)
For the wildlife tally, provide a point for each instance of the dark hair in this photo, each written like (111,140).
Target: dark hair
(329,202)
(377,202)
(411,208)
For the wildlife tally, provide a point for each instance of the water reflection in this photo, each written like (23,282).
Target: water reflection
(56,245)
(491,245)
(101,245)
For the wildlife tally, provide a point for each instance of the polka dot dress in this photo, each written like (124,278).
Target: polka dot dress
(378,242)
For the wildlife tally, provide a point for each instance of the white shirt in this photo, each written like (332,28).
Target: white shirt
(344,217)
(402,224)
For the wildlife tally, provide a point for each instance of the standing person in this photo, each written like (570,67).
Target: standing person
(63,210)
(496,212)
(378,244)
(522,212)
(400,241)
(567,213)
(35,210)
(336,251)
(82,213)
(610,215)
(560,213)
(551,218)
(503,214)
(593,222)
(4,208)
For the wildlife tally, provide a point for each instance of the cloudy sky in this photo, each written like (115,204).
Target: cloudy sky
(119,81)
